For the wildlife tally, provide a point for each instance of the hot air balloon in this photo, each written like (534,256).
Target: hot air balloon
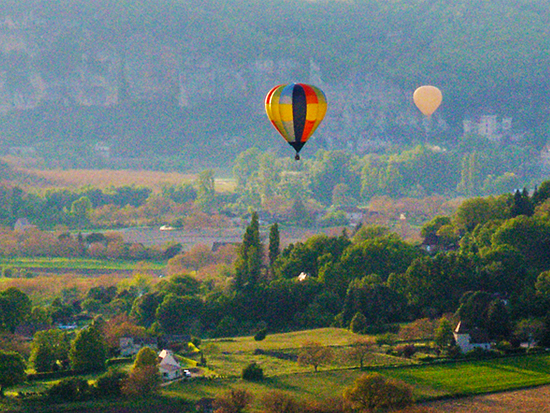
(427,99)
(296,110)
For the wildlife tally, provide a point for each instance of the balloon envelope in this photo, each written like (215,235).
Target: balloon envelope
(296,110)
(427,99)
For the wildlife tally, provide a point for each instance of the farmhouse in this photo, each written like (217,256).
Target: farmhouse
(471,338)
(169,367)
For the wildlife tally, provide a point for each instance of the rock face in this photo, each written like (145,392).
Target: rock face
(60,63)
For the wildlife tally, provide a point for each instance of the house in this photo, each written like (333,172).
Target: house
(130,346)
(169,367)
(469,339)
(23,224)
(489,126)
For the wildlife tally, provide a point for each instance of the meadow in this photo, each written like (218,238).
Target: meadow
(429,382)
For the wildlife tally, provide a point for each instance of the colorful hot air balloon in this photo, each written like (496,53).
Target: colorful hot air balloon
(427,99)
(296,110)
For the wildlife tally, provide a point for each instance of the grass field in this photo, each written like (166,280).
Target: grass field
(227,357)
(79,264)
(428,382)
(478,377)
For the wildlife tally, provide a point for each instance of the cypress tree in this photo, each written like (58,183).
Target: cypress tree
(274,243)
(249,260)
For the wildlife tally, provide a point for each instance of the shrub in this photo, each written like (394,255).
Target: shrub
(70,389)
(372,392)
(260,335)
(110,384)
(406,351)
(142,381)
(234,401)
(280,402)
(253,372)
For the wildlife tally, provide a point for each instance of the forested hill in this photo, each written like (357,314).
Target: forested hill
(172,76)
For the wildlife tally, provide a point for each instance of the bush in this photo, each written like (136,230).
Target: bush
(71,389)
(373,392)
(260,335)
(278,402)
(406,350)
(142,382)
(253,372)
(110,384)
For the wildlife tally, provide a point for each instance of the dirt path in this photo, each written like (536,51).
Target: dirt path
(536,400)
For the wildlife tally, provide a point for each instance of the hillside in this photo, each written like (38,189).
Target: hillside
(181,80)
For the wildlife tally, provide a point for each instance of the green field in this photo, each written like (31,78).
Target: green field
(428,381)
(80,264)
(227,357)
(476,377)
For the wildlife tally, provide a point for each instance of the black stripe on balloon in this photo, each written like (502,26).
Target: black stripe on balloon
(299,108)
(297,145)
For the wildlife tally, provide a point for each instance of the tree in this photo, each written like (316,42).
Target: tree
(142,382)
(274,243)
(314,354)
(145,357)
(177,314)
(234,401)
(530,236)
(373,392)
(12,370)
(543,284)
(206,193)
(443,336)
(49,347)
(530,330)
(249,260)
(144,379)
(521,204)
(80,209)
(476,211)
(15,308)
(375,301)
(498,320)
(360,350)
(470,181)
(358,323)
(88,350)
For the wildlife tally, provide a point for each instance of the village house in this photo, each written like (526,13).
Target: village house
(468,339)
(130,346)
(169,367)
(23,224)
